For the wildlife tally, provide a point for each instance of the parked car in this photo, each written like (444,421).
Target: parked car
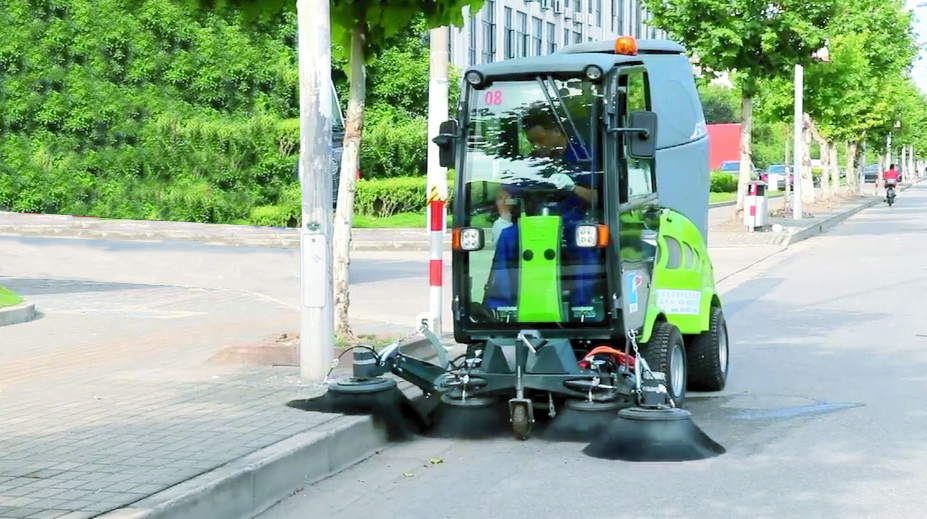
(733,167)
(871,174)
(779,172)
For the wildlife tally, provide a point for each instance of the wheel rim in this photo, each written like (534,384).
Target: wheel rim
(722,349)
(677,371)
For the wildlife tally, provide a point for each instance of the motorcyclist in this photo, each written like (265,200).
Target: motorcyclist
(890,178)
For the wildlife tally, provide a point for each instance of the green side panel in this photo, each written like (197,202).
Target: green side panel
(539,294)
(683,277)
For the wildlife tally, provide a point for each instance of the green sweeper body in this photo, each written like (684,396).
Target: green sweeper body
(581,276)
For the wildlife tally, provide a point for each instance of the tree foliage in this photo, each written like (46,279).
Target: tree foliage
(759,38)
(143,109)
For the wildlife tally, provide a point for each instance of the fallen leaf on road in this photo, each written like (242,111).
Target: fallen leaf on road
(435,461)
(407,474)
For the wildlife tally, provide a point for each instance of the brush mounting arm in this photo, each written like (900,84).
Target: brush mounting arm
(424,375)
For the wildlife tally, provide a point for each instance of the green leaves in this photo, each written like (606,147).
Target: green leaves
(142,108)
(752,36)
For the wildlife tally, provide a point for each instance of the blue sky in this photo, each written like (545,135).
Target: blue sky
(920,27)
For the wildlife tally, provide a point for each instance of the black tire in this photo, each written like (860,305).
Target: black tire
(708,367)
(665,342)
(521,427)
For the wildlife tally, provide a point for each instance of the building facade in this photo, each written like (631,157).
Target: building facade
(506,29)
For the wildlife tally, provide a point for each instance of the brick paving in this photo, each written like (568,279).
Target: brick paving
(110,396)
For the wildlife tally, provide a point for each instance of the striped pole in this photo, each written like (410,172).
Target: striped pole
(436,263)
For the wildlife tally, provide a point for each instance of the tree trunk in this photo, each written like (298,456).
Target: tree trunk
(852,172)
(825,159)
(834,168)
(353,129)
(746,152)
(807,176)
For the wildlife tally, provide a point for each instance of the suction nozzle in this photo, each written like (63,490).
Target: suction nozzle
(640,434)
(582,420)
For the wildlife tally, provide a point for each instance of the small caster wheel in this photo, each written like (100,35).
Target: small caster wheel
(521,425)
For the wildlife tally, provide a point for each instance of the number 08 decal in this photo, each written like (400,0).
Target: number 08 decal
(493,97)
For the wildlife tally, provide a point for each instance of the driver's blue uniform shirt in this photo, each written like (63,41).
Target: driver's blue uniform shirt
(581,264)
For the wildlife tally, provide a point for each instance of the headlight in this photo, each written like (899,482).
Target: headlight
(474,77)
(587,236)
(593,72)
(471,239)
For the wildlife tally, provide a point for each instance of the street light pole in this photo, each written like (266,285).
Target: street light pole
(797,152)
(437,176)
(317,316)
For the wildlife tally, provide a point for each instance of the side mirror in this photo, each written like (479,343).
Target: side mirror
(446,141)
(642,143)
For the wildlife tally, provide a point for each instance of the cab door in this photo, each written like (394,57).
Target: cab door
(638,208)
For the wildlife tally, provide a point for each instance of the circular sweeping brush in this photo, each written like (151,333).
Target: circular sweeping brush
(472,418)
(640,434)
(582,420)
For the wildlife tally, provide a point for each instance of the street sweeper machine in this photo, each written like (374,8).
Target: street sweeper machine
(582,286)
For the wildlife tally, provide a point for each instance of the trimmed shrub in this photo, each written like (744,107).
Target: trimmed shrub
(723,182)
(393,144)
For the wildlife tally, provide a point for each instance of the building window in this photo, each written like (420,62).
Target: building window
(598,13)
(489,32)
(472,31)
(509,35)
(577,32)
(538,35)
(614,17)
(522,35)
(637,22)
(551,38)
(578,6)
(566,36)
(618,16)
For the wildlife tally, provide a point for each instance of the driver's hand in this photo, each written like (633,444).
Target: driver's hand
(562,181)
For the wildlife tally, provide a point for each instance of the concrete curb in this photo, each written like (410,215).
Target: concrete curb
(21,313)
(82,228)
(252,484)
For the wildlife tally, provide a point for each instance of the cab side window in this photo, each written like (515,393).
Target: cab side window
(639,182)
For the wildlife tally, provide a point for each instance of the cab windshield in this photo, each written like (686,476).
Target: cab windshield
(533,182)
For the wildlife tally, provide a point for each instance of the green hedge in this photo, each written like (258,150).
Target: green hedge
(394,144)
(723,182)
(378,198)
(148,109)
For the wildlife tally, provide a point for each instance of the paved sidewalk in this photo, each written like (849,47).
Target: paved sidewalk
(114,396)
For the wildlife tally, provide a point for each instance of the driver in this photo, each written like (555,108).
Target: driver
(549,141)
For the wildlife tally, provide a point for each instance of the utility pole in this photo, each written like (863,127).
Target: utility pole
(317,324)
(436,190)
(797,152)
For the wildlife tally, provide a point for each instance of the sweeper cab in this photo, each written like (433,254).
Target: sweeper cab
(582,285)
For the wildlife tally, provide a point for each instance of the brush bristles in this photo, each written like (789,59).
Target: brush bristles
(390,406)
(470,422)
(653,440)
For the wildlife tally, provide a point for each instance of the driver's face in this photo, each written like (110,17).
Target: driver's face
(546,142)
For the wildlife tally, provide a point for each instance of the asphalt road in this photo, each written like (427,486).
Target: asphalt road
(388,289)
(823,415)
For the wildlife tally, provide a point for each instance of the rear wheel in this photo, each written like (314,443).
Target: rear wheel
(666,353)
(708,355)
